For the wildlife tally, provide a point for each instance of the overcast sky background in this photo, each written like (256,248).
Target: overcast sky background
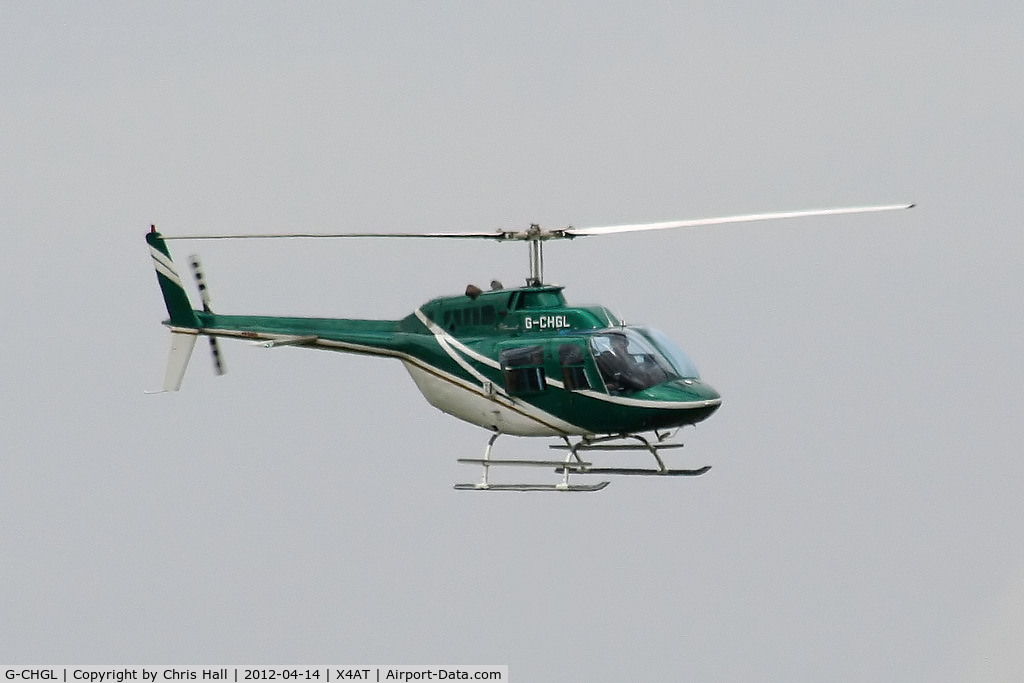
(862,518)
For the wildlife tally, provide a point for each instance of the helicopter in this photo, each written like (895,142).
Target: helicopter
(515,361)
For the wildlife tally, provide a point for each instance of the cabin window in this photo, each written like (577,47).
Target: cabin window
(574,375)
(455,318)
(523,368)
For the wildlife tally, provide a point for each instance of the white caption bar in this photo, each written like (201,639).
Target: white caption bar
(251,674)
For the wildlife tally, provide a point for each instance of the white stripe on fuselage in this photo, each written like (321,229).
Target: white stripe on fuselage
(648,403)
(440,334)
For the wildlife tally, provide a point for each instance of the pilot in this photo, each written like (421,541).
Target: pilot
(618,367)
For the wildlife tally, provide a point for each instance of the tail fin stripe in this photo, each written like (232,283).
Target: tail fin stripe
(169,274)
(164,266)
(163,259)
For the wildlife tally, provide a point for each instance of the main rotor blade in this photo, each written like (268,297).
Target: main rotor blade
(495,235)
(746,218)
(537,234)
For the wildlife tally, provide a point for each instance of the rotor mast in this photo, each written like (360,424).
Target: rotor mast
(534,237)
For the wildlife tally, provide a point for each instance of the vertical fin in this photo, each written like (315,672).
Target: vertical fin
(182,344)
(179,308)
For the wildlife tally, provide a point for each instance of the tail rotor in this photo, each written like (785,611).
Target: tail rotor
(204,294)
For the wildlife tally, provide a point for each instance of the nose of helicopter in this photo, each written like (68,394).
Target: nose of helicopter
(702,397)
(694,390)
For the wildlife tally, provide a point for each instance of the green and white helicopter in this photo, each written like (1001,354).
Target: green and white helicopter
(517,361)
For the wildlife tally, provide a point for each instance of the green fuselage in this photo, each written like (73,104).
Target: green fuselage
(516,361)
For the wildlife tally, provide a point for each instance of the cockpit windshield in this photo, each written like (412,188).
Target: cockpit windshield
(630,361)
(675,355)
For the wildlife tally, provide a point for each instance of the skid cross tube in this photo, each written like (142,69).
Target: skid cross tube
(564,467)
(601,444)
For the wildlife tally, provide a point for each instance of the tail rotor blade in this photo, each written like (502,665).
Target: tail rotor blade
(204,294)
(197,272)
(218,361)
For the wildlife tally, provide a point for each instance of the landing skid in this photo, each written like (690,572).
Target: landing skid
(532,487)
(636,471)
(574,464)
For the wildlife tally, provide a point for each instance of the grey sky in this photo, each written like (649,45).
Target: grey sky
(862,520)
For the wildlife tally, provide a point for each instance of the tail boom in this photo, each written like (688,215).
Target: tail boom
(368,337)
